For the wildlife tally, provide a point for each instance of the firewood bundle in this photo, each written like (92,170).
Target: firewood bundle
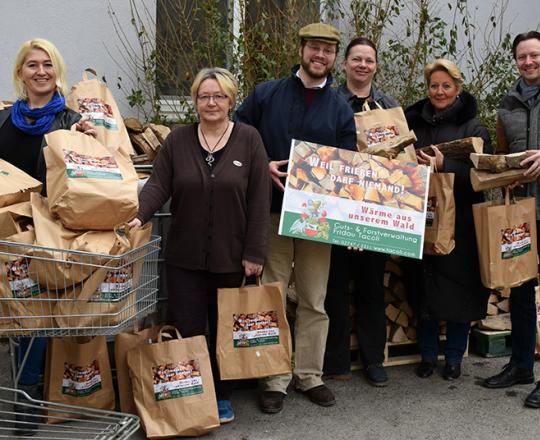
(146,140)
(498,170)
(498,311)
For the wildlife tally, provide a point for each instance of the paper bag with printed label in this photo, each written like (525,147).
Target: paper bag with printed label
(78,372)
(123,342)
(108,297)
(253,338)
(58,268)
(15,184)
(89,187)
(173,386)
(506,240)
(92,99)
(375,127)
(440,215)
(24,304)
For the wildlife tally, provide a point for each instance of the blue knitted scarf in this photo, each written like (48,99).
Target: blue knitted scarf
(43,117)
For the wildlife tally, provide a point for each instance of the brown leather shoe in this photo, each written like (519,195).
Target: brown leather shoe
(271,402)
(321,395)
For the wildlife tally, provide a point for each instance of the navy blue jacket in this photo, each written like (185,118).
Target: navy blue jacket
(276,108)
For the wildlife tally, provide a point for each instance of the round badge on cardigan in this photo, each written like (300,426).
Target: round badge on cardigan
(237,163)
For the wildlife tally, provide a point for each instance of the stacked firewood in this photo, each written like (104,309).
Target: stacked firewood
(146,140)
(400,325)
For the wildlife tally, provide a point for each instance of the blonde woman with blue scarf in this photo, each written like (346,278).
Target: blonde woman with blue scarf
(39,79)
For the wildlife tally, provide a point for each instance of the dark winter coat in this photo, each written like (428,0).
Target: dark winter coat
(448,287)
(63,121)
(277,110)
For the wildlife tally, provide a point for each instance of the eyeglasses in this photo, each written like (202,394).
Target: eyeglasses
(325,50)
(217,98)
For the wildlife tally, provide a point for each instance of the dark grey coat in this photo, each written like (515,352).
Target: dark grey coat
(448,287)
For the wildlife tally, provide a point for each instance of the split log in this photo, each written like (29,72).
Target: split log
(392,312)
(411,333)
(402,319)
(140,159)
(481,180)
(459,149)
(397,334)
(133,125)
(492,310)
(504,305)
(497,163)
(161,131)
(392,147)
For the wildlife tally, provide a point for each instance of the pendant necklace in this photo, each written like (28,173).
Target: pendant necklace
(210,156)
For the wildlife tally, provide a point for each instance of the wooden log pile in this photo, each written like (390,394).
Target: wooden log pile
(146,140)
(400,325)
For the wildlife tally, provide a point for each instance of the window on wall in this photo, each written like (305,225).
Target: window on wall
(191,34)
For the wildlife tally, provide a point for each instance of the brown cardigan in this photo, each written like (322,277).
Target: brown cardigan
(220,216)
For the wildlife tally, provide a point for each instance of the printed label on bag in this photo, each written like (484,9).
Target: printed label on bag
(88,167)
(253,329)
(179,379)
(117,282)
(80,381)
(515,241)
(376,135)
(20,282)
(430,212)
(98,111)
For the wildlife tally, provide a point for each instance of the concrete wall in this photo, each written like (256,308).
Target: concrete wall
(81,29)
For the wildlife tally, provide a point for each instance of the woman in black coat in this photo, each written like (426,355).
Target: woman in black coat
(448,287)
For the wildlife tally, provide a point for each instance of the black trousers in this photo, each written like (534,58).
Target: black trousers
(192,306)
(366,269)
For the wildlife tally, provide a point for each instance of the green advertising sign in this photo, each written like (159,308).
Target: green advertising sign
(355,199)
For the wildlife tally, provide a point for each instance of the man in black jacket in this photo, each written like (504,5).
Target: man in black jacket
(301,106)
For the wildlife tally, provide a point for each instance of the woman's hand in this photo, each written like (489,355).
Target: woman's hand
(251,268)
(534,160)
(86,126)
(426,159)
(275,174)
(135,224)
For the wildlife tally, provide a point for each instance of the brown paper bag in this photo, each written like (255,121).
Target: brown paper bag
(441,215)
(253,337)
(123,342)
(173,386)
(89,187)
(24,304)
(15,185)
(63,269)
(79,373)
(92,99)
(375,127)
(109,296)
(506,239)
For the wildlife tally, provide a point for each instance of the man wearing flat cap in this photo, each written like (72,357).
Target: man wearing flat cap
(300,106)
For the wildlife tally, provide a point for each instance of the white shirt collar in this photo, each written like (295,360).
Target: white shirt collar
(318,86)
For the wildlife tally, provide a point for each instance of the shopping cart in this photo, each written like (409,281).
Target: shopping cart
(56,292)
(59,421)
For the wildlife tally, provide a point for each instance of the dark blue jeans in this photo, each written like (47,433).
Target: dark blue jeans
(457,334)
(34,363)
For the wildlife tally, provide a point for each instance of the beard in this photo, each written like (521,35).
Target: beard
(313,72)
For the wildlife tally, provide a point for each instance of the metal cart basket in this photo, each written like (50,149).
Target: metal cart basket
(56,292)
(94,424)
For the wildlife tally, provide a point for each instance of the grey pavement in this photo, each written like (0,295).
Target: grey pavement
(408,408)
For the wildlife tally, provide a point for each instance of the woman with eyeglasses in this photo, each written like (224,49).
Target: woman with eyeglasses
(216,174)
